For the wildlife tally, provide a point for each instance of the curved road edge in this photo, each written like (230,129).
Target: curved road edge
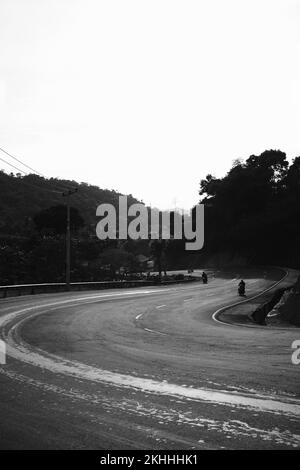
(239,313)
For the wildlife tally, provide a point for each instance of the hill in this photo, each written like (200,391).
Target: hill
(253,212)
(21,197)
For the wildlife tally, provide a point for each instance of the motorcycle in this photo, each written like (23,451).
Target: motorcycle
(241,290)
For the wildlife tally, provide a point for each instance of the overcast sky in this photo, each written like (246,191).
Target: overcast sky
(147,97)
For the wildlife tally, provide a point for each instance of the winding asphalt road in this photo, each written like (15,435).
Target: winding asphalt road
(146,368)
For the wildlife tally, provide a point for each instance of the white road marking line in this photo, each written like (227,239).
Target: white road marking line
(148,329)
(154,331)
(223,309)
(83,299)
(25,353)
(57,364)
(160,306)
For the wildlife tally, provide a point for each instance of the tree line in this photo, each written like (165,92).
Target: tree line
(253,212)
(252,216)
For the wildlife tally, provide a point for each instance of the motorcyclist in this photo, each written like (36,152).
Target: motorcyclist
(204,278)
(242,287)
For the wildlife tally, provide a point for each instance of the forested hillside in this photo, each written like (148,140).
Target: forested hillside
(32,232)
(21,197)
(253,213)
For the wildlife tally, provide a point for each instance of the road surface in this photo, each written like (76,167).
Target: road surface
(146,368)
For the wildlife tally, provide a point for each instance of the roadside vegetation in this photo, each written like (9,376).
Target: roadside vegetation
(252,216)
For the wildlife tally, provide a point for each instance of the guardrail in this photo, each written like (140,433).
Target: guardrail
(56,287)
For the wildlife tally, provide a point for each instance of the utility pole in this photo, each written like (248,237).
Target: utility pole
(67,194)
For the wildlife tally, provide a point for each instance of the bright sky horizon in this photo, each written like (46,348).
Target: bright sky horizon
(148,97)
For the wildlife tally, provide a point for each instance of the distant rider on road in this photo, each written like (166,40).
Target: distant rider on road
(242,287)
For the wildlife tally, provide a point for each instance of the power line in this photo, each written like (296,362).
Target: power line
(22,163)
(2,159)
(26,174)
(58,187)
(66,194)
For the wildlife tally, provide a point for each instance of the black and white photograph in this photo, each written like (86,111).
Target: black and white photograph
(149,228)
